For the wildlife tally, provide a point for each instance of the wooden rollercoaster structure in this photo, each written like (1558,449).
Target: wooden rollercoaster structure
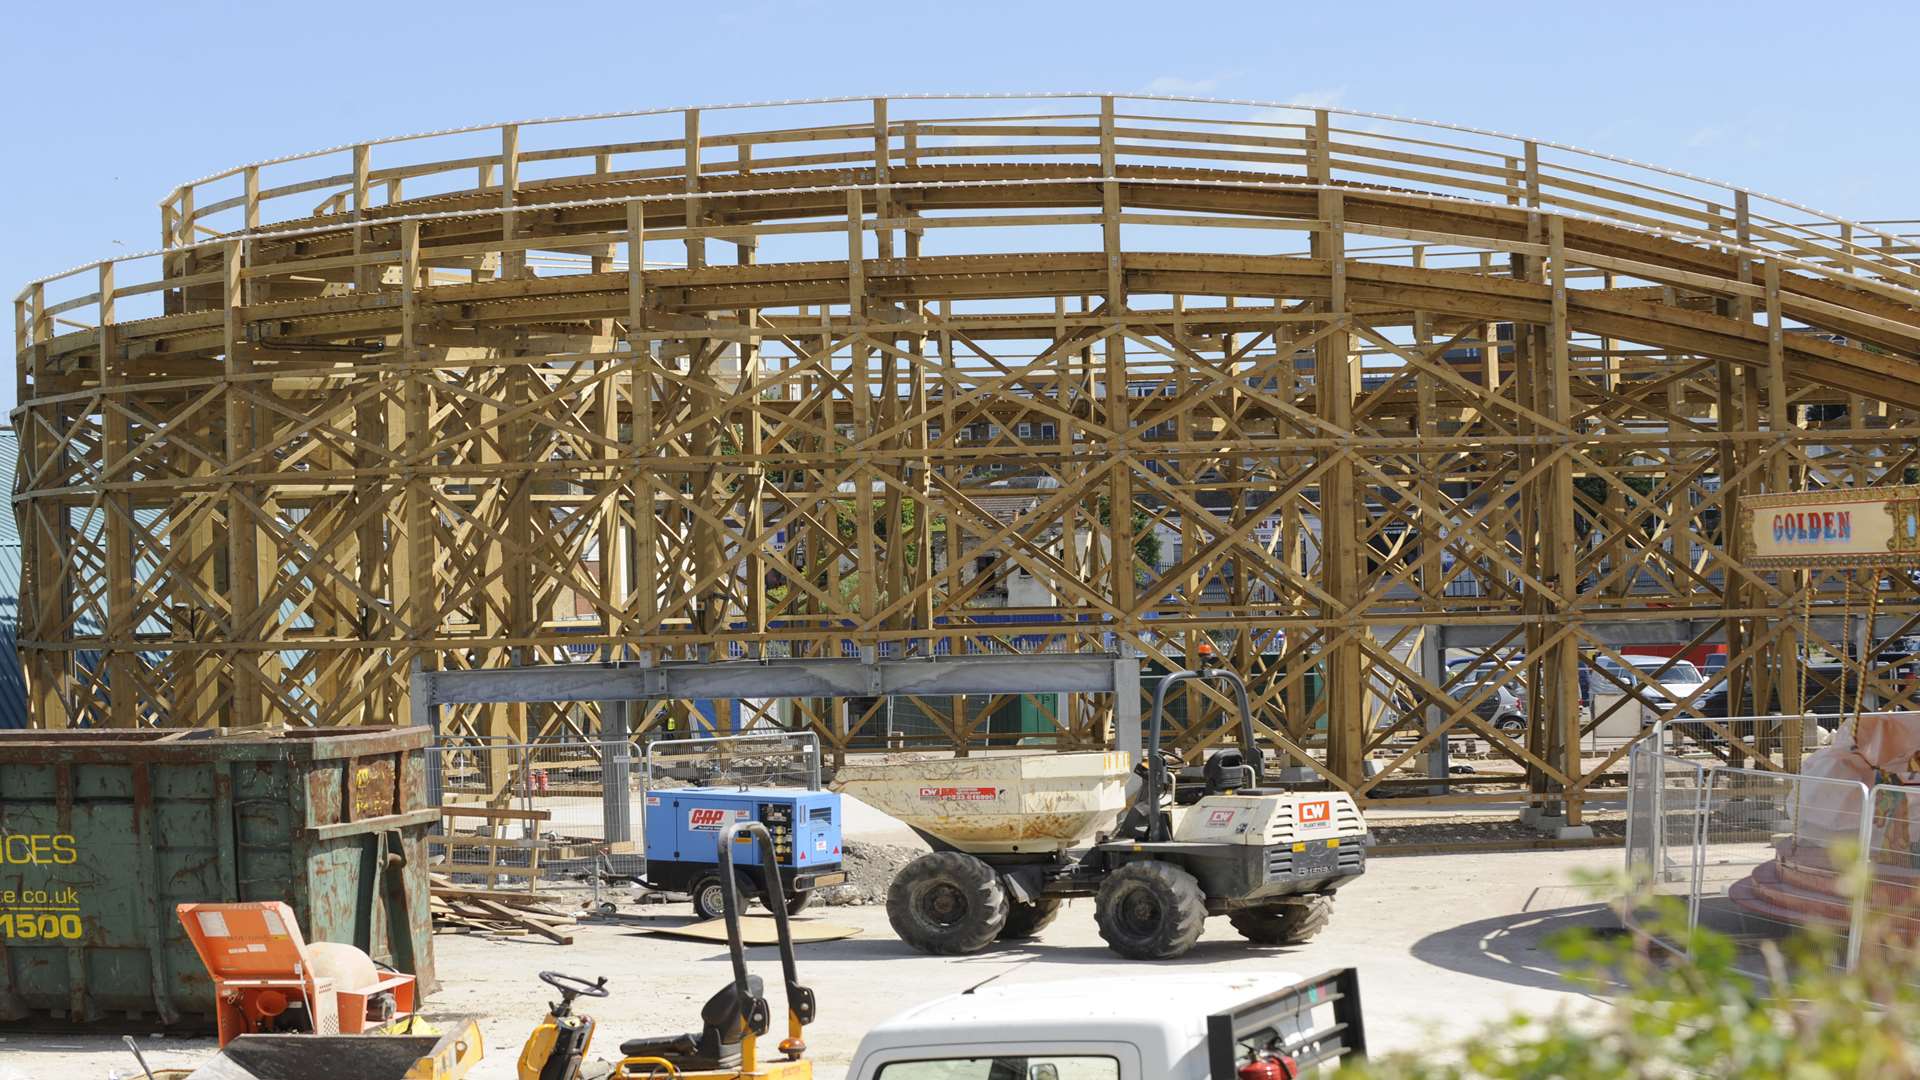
(1346,395)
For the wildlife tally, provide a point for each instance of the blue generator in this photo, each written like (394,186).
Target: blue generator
(683,827)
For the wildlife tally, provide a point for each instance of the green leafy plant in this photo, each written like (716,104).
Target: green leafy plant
(1785,1010)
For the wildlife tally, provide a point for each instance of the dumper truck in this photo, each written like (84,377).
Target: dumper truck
(1010,841)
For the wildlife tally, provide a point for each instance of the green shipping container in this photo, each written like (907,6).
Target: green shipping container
(103,832)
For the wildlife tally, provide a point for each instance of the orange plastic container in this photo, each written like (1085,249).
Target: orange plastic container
(265,975)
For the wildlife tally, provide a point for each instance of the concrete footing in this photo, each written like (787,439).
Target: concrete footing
(1554,824)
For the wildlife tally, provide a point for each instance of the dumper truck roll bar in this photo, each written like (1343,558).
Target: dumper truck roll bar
(1158,828)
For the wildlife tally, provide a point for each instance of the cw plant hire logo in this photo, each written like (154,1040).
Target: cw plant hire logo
(960,794)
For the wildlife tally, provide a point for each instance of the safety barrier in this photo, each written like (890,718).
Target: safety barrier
(532,810)
(1756,853)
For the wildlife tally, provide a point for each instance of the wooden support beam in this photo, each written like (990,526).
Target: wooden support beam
(123,667)
(1340,555)
(696,244)
(1118,400)
(362,157)
(966,435)
(1562,666)
(242,523)
(513,264)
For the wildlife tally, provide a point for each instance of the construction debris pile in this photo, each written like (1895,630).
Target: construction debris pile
(870,869)
(498,911)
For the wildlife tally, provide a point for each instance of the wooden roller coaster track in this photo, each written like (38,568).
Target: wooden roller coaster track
(1347,395)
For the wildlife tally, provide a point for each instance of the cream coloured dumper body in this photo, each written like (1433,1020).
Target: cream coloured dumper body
(998,804)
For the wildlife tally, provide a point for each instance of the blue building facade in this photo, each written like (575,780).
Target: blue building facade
(13,683)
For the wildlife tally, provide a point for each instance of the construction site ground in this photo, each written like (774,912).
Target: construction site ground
(1444,943)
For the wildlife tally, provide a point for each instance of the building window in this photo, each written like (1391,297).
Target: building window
(1025,431)
(1047,431)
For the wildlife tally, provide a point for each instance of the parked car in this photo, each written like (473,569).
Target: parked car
(1505,709)
(1829,691)
(1672,679)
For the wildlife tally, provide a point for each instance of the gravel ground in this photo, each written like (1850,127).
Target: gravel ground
(1444,944)
(1441,830)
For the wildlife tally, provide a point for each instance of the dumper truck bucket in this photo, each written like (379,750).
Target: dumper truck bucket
(447,1056)
(997,804)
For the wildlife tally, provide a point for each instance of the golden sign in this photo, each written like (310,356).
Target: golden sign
(1839,527)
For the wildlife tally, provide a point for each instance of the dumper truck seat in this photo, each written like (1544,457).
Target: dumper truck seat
(1227,770)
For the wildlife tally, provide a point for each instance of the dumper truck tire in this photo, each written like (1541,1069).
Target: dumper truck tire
(1150,910)
(1292,923)
(797,901)
(947,903)
(1027,920)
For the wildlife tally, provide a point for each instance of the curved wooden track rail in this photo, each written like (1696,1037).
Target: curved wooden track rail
(820,377)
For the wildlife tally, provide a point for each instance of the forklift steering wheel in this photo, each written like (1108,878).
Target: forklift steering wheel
(569,984)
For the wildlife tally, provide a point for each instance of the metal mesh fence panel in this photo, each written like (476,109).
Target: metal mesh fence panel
(1643,853)
(1761,853)
(1889,912)
(565,779)
(1665,796)
(1771,852)
(515,813)
(1740,742)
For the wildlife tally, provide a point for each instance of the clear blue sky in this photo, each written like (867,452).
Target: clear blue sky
(109,104)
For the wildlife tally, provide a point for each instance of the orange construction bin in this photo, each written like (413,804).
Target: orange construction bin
(267,978)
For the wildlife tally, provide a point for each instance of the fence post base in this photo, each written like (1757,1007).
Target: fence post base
(616,809)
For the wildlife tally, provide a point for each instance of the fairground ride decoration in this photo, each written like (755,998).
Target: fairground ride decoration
(1870,534)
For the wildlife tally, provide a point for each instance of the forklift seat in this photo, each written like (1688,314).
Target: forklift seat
(718,1044)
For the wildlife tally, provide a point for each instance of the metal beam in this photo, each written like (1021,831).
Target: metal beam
(1075,673)
(1623,632)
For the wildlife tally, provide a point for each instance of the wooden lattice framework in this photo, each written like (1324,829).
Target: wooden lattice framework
(816,378)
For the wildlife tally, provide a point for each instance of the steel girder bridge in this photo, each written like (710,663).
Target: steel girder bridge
(1346,395)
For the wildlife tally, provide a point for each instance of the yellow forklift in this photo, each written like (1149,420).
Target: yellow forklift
(727,1046)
